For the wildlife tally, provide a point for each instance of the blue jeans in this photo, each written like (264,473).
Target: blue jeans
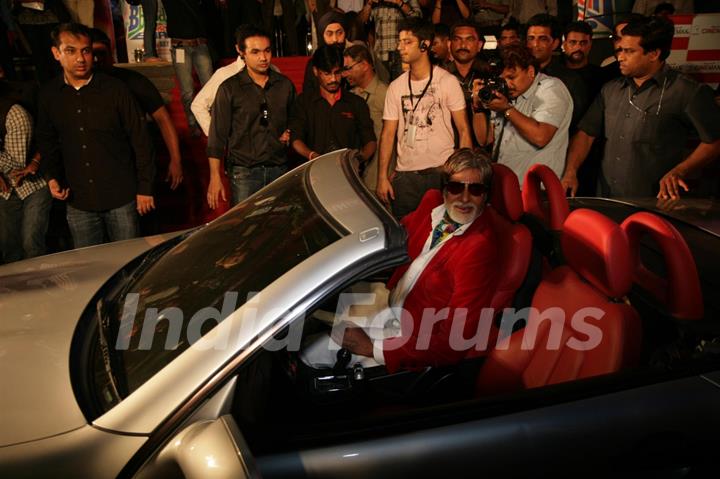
(246,181)
(89,228)
(23,225)
(199,57)
(150,8)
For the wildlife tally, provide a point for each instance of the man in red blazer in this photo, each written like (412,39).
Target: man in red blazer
(451,278)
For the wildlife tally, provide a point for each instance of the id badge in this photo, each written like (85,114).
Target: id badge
(410,135)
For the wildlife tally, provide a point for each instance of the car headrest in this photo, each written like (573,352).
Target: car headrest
(557,210)
(505,193)
(679,291)
(597,249)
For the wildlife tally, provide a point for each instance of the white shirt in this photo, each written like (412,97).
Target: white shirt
(433,141)
(202,104)
(547,101)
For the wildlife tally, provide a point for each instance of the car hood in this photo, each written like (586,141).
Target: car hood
(41,300)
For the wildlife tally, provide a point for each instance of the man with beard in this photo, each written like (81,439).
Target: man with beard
(646,117)
(543,38)
(532,125)
(576,48)
(453,268)
(328,119)
(249,122)
(466,44)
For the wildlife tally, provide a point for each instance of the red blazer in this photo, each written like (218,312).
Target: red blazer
(463,274)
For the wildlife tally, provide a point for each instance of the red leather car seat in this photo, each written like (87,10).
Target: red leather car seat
(514,239)
(554,214)
(558,346)
(545,213)
(679,291)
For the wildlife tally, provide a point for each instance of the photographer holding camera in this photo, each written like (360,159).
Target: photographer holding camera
(530,116)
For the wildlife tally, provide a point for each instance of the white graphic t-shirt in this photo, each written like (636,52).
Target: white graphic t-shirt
(424,137)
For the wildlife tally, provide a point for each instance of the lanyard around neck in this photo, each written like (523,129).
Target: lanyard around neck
(427,85)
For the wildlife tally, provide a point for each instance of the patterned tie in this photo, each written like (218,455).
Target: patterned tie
(445,228)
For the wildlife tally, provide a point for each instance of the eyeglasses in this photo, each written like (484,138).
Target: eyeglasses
(458,187)
(264,114)
(644,112)
(350,67)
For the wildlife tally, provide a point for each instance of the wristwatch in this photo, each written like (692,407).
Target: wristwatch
(506,114)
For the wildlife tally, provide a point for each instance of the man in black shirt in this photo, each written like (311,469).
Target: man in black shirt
(468,63)
(188,36)
(543,37)
(576,50)
(95,149)
(147,96)
(250,121)
(329,118)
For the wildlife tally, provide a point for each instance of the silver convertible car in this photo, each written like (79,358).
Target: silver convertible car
(178,356)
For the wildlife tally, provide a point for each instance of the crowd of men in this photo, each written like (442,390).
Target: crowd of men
(423,91)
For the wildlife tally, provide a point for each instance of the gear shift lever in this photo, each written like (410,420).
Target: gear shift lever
(343,359)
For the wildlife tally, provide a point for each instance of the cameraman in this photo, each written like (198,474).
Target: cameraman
(529,121)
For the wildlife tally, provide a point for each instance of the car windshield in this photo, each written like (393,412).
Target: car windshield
(216,269)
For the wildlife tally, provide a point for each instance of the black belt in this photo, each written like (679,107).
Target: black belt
(426,171)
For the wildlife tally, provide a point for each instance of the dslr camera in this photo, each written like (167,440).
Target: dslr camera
(491,85)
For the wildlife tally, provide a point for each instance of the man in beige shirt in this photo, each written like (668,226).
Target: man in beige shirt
(360,74)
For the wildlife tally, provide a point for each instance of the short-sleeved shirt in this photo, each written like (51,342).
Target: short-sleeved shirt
(325,128)
(546,101)
(647,138)
(434,140)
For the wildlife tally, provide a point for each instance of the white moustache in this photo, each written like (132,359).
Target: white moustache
(462,218)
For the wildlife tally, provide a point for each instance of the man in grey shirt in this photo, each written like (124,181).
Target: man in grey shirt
(646,116)
(532,125)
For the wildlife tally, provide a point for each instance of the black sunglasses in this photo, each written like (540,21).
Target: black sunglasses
(458,187)
(265,114)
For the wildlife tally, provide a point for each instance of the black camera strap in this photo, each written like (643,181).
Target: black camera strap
(498,140)
(414,106)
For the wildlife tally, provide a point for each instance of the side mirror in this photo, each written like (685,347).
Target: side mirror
(204,450)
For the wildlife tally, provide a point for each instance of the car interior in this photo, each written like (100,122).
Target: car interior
(639,273)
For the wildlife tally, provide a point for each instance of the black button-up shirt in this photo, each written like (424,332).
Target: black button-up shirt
(647,140)
(95,140)
(325,128)
(237,120)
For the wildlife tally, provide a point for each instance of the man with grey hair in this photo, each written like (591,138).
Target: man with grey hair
(451,278)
